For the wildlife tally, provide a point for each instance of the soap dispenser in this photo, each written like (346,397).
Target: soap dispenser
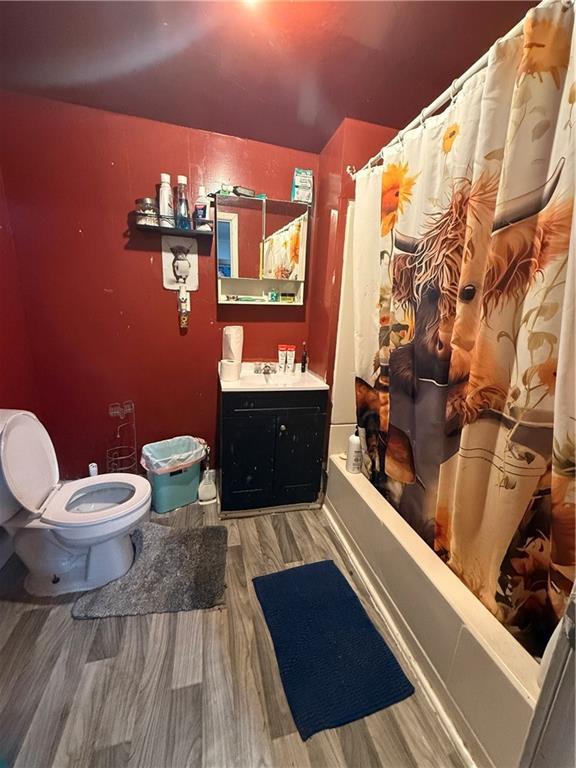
(304,358)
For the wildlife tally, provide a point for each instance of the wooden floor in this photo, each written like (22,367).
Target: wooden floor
(187,689)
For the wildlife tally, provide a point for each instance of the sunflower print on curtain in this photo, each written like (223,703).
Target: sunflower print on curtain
(464,327)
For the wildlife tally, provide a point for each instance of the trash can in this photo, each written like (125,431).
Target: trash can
(173,470)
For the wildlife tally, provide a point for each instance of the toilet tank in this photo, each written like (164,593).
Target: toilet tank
(8,504)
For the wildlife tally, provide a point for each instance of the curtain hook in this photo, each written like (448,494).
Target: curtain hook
(376,159)
(422,119)
(351,171)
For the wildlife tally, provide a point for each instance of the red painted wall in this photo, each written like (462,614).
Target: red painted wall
(327,251)
(17,379)
(352,144)
(101,327)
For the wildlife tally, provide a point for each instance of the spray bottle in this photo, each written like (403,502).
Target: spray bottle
(207,488)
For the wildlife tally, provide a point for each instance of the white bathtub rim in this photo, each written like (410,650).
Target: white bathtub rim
(505,650)
(361,568)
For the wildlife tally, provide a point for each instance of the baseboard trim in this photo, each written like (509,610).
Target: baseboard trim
(227,514)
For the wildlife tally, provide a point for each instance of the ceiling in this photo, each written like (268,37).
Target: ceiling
(281,72)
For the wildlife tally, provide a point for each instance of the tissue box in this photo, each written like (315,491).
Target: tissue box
(302,186)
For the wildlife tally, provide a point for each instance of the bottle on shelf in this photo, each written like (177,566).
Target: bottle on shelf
(304,358)
(165,202)
(201,207)
(182,215)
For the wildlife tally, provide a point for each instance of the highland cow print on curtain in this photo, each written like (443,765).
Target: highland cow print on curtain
(464,287)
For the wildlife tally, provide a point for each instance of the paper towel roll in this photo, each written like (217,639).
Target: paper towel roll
(230,370)
(232,342)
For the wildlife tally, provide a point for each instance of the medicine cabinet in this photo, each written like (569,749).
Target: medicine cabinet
(262,248)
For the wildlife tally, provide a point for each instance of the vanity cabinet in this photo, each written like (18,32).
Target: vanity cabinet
(271,448)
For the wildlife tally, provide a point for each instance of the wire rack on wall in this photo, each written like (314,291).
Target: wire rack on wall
(123,455)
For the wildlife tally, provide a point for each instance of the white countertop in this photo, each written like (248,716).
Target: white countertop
(273,382)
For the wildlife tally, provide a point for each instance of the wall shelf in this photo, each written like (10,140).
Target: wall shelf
(175,231)
(256,290)
(282,207)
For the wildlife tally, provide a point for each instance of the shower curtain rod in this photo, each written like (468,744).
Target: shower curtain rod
(449,93)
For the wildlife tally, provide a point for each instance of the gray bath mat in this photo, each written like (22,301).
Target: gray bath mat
(174,570)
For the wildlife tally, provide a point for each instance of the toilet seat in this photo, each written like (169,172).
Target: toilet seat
(31,472)
(28,461)
(95,499)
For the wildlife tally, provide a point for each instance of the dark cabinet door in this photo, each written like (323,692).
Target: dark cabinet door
(248,444)
(299,450)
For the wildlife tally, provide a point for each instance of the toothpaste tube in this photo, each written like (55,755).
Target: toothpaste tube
(281,358)
(290,358)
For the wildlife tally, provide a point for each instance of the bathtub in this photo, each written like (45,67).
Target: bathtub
(476,674)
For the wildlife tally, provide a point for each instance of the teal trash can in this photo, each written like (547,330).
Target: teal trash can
(173,470)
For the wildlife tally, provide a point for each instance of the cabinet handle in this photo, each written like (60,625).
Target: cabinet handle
(282,428)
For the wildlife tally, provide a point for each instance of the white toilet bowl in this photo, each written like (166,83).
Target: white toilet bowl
(71,536)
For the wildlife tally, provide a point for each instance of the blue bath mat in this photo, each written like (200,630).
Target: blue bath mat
(334,665)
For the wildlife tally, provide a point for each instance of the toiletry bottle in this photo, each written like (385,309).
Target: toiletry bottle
(201,209)
(290,358)
(354,456)
(182,208)
(166,202)
(207,488)
(304,359)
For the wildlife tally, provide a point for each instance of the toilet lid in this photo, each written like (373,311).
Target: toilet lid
(28,460)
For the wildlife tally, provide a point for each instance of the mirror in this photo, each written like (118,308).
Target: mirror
(261,239)
(239,232)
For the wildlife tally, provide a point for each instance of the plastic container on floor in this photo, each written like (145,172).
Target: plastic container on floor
(173,470)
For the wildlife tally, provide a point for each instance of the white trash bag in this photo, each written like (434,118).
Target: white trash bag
(177,453)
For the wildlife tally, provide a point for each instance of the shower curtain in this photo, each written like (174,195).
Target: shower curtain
(464,296)
(283,253)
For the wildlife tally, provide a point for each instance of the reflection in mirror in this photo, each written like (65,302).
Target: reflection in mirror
(239,232)
(227,234)
(283,255)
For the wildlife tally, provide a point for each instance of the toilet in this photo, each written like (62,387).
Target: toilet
(71,536)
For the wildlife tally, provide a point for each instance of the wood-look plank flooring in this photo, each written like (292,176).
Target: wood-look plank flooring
(188,689)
